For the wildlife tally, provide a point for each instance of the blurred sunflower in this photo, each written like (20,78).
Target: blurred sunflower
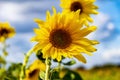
(63,35)
(32,73)
(86,7)
(6,31)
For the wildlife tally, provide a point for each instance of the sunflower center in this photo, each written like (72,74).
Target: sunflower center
(60,38)
(33,73)
(76,6)
(3,32)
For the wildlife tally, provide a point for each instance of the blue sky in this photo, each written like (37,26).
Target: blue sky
(21,13)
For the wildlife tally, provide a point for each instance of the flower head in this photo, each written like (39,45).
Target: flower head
(32,73)
(63,36)
(86,7)
(6,31)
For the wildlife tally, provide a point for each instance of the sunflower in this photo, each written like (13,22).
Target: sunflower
(6,31)
(63,36)
(32,73)
(86,7)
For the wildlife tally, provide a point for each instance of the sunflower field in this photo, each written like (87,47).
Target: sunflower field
(59,40)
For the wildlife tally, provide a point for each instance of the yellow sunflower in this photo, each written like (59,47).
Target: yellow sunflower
(86,7)
(63,35)
(33,72)
(6,31)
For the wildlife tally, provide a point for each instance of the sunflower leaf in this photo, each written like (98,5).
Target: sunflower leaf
(42,75)
(40,56)
(54,75)
(72,62)
(2,60)
(72,75)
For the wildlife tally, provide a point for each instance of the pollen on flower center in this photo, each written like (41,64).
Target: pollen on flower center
(75,6)
(60,38)
(3,32)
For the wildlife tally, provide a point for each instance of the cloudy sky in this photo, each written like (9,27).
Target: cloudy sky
(21,13)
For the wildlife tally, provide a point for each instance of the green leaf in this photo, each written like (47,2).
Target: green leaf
(2,73)
(72,75)
(42,75)
(2,60)
(5,53)
(39,55)
(13,72)
(54,75)
(72,62)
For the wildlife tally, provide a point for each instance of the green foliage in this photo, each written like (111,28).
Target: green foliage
(67,74)
(72,75)
(5,53)
(2,60)
(2,73)
(12,73)
(70,63)
(42,75)
(105,72)
(40,56)
(54,75)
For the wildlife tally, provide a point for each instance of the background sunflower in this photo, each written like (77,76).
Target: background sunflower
(86,7)
(6,31)
(32,73)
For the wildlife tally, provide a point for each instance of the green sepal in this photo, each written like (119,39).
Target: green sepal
(72,62)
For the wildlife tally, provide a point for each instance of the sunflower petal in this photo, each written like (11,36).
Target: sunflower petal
(39,21)
(86,31)
(80,58)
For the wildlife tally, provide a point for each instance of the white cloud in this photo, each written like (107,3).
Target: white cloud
(110,26)
(111,53)
(101,19)
(14,11)
(21,39)
(19,45)
(104,25)
(11,12)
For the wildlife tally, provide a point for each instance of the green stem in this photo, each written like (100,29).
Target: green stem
(47,68)
(4,53)
(4,49)
(22,74)
(59,66)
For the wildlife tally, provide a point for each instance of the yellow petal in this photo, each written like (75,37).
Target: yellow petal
(86,31)
(47,16)
(94,42)
(46,50)
(54,11)
(80,58)
(39,21)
